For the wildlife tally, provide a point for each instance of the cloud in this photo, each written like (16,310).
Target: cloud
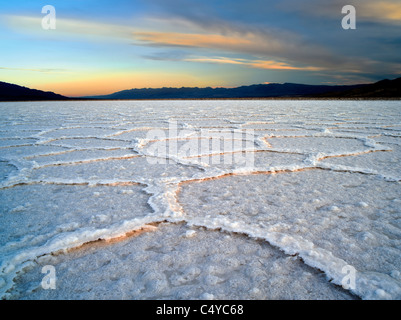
(258,43)
(386,11)
(383,11)
(42,70)
(274,65)
(172,55)
(75,28)
(221,60)
(258,64)
(191,40)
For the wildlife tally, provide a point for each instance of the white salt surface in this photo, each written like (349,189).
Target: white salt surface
(200,199)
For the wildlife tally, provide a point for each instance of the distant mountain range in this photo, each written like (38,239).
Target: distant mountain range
(252,91)
(381,89)
(385,89)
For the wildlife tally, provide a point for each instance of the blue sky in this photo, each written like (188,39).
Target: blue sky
(99,47)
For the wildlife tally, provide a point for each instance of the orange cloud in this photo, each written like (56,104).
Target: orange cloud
(259,64)
(249,42)
(218,60)
(274,65)
(190,40)
(259,44)
(382,10)
(385,11)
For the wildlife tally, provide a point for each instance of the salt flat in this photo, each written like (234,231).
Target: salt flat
(201,199)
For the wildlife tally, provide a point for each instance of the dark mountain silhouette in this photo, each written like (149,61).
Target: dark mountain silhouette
(13,92)
(252,91)
(382,89)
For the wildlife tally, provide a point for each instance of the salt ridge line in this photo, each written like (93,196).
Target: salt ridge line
(16,262)
(342,168)
(315,157)
(51,141)
(391,135)
(121,132)
(27,164)
(67,145)
(368,142)
(65,128)
(240,151)
(34,153)
(369,285)
(78,182)
(62,163)
(160,202)
(18,145)
(24,168)
(68,151)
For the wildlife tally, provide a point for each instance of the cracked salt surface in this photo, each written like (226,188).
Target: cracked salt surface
(297,191)
(178,262)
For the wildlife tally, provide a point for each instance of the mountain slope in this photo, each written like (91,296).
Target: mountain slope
(13,92)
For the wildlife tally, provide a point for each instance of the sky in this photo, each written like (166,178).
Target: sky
(100,47)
